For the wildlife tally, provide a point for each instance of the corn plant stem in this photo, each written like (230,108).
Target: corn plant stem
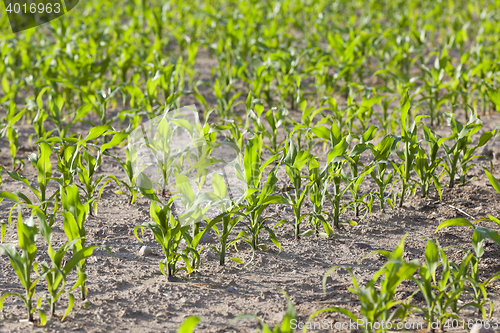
(255,232)
(453,170)
(297,228)
(336,202)
(83,287)
(407,171)
(354,174)
(381,198)
(29,306)
(52,306)
(223,241)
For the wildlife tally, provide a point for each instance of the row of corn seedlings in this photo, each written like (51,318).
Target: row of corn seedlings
(399,165)
(76,159)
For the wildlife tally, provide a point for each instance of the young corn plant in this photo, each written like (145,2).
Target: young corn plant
(317,195)
(160,147)
(433,83)
(426,165)
(459,156)
(10,131)
(336,161)
(88,165)
(378,304)
(276,119)
(128,167)
(380,174)
(195,209)
(443,293)
(228,218)
(479,292)
(68,156)
(411,146)
(42,164)
(336,175)
(303,129)
(354,166)
(23,264)
(56,272)
(259,195)
(74,216)
(168,232)
(294,162)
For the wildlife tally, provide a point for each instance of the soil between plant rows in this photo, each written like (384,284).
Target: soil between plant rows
(129,293)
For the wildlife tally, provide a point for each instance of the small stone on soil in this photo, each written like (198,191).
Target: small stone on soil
(231,289)
(145,251)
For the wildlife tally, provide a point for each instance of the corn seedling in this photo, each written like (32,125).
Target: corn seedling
(68,156)
(88,165)
(23,264)
(55,273)
(258,195)
(443,292)
(228,217)
(354,165)
(411,146)
(479,292)
(11,133)
(168,232)
(378,304)
(317,195)
(426,164)
(275,119)
(127,166)
(42,164)
(336,162)
(380,174)
(294,162)
(74,216)
(459,156)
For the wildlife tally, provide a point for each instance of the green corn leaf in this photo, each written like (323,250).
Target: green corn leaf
(237,260)
(44,166)
(321,132)
(4,296)
(117,139)
(485,137)
(184,187)
(495,97)
(405,107)
(41,312)
(96,132)
(493,181)
(10,196)
(71,302)
(456,222)
(432,257)
(16,261)
(325,277)
(219,185)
